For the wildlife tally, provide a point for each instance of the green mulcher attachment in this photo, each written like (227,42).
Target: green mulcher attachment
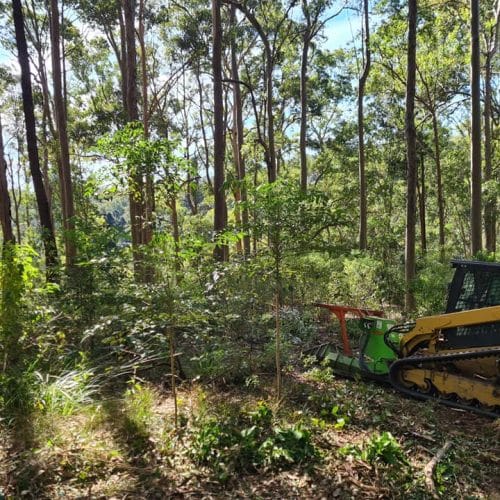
(373,356)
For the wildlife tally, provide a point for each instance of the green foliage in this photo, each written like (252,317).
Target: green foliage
(431,285)
(329,409)
(65,393)
(135,152)
(379,448)
(322,374)
(18,275)
(20,301)
(366,281)
(16,394)
(247,441)
(138,406)
(293,220)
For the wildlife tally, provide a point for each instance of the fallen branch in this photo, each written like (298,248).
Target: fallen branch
(431,465)
(422,436)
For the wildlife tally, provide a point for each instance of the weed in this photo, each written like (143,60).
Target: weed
(65,393)
(224,445)
(322,374)
(138,406)
(330,411)
(379,448)
(287,446)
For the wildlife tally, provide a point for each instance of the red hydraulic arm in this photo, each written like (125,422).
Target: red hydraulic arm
(341,312)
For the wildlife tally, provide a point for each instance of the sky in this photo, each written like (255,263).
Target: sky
(341,30)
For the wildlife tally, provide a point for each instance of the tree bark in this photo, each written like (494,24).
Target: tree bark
(48,235)
(175,234)
(439,182)
(238,139)
(5,212)
(270,147)
(220,214)
(475,75)
(303,100)
(272,173)
(202,126)
(66,186)
(490,205)
(421,203)
(137,201)
(149,194)
(363,215)
(411,155)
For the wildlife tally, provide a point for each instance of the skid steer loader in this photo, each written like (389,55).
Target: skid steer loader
(453,358)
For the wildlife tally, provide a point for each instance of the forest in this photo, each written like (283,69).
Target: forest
(181,184)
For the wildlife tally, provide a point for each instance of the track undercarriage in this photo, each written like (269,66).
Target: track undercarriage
(439,377)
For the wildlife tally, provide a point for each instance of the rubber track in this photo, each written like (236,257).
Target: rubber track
(417,359)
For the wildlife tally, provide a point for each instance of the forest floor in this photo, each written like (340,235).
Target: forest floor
(126,446)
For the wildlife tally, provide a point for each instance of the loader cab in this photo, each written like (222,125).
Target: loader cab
(475,285)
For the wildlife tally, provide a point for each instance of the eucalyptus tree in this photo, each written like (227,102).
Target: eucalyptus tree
(441,75)
(5,211)
(48,235)
(117,19)
(363,243)
(313,23)
(220,209)
(38,33)
(272,23)
(63,155)
(475,153)
(411,155)
(491,31)
(441,80)
(238,135)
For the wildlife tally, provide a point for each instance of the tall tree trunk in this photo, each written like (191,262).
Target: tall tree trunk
(136,181)
(238,135)
(411,155)
(421,203)
(5,214)
(490,206)
(149,202)
(202,126)
(439,182)
(475,75)
(48,235)
(175,234)
(490,202)
(363,215)
(66,186)
(121,55)
(272,172)
(220,214)
(303,108)
(270,147)
(16,196)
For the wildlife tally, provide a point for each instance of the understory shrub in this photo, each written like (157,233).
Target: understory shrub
(248,440)
(378,448)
